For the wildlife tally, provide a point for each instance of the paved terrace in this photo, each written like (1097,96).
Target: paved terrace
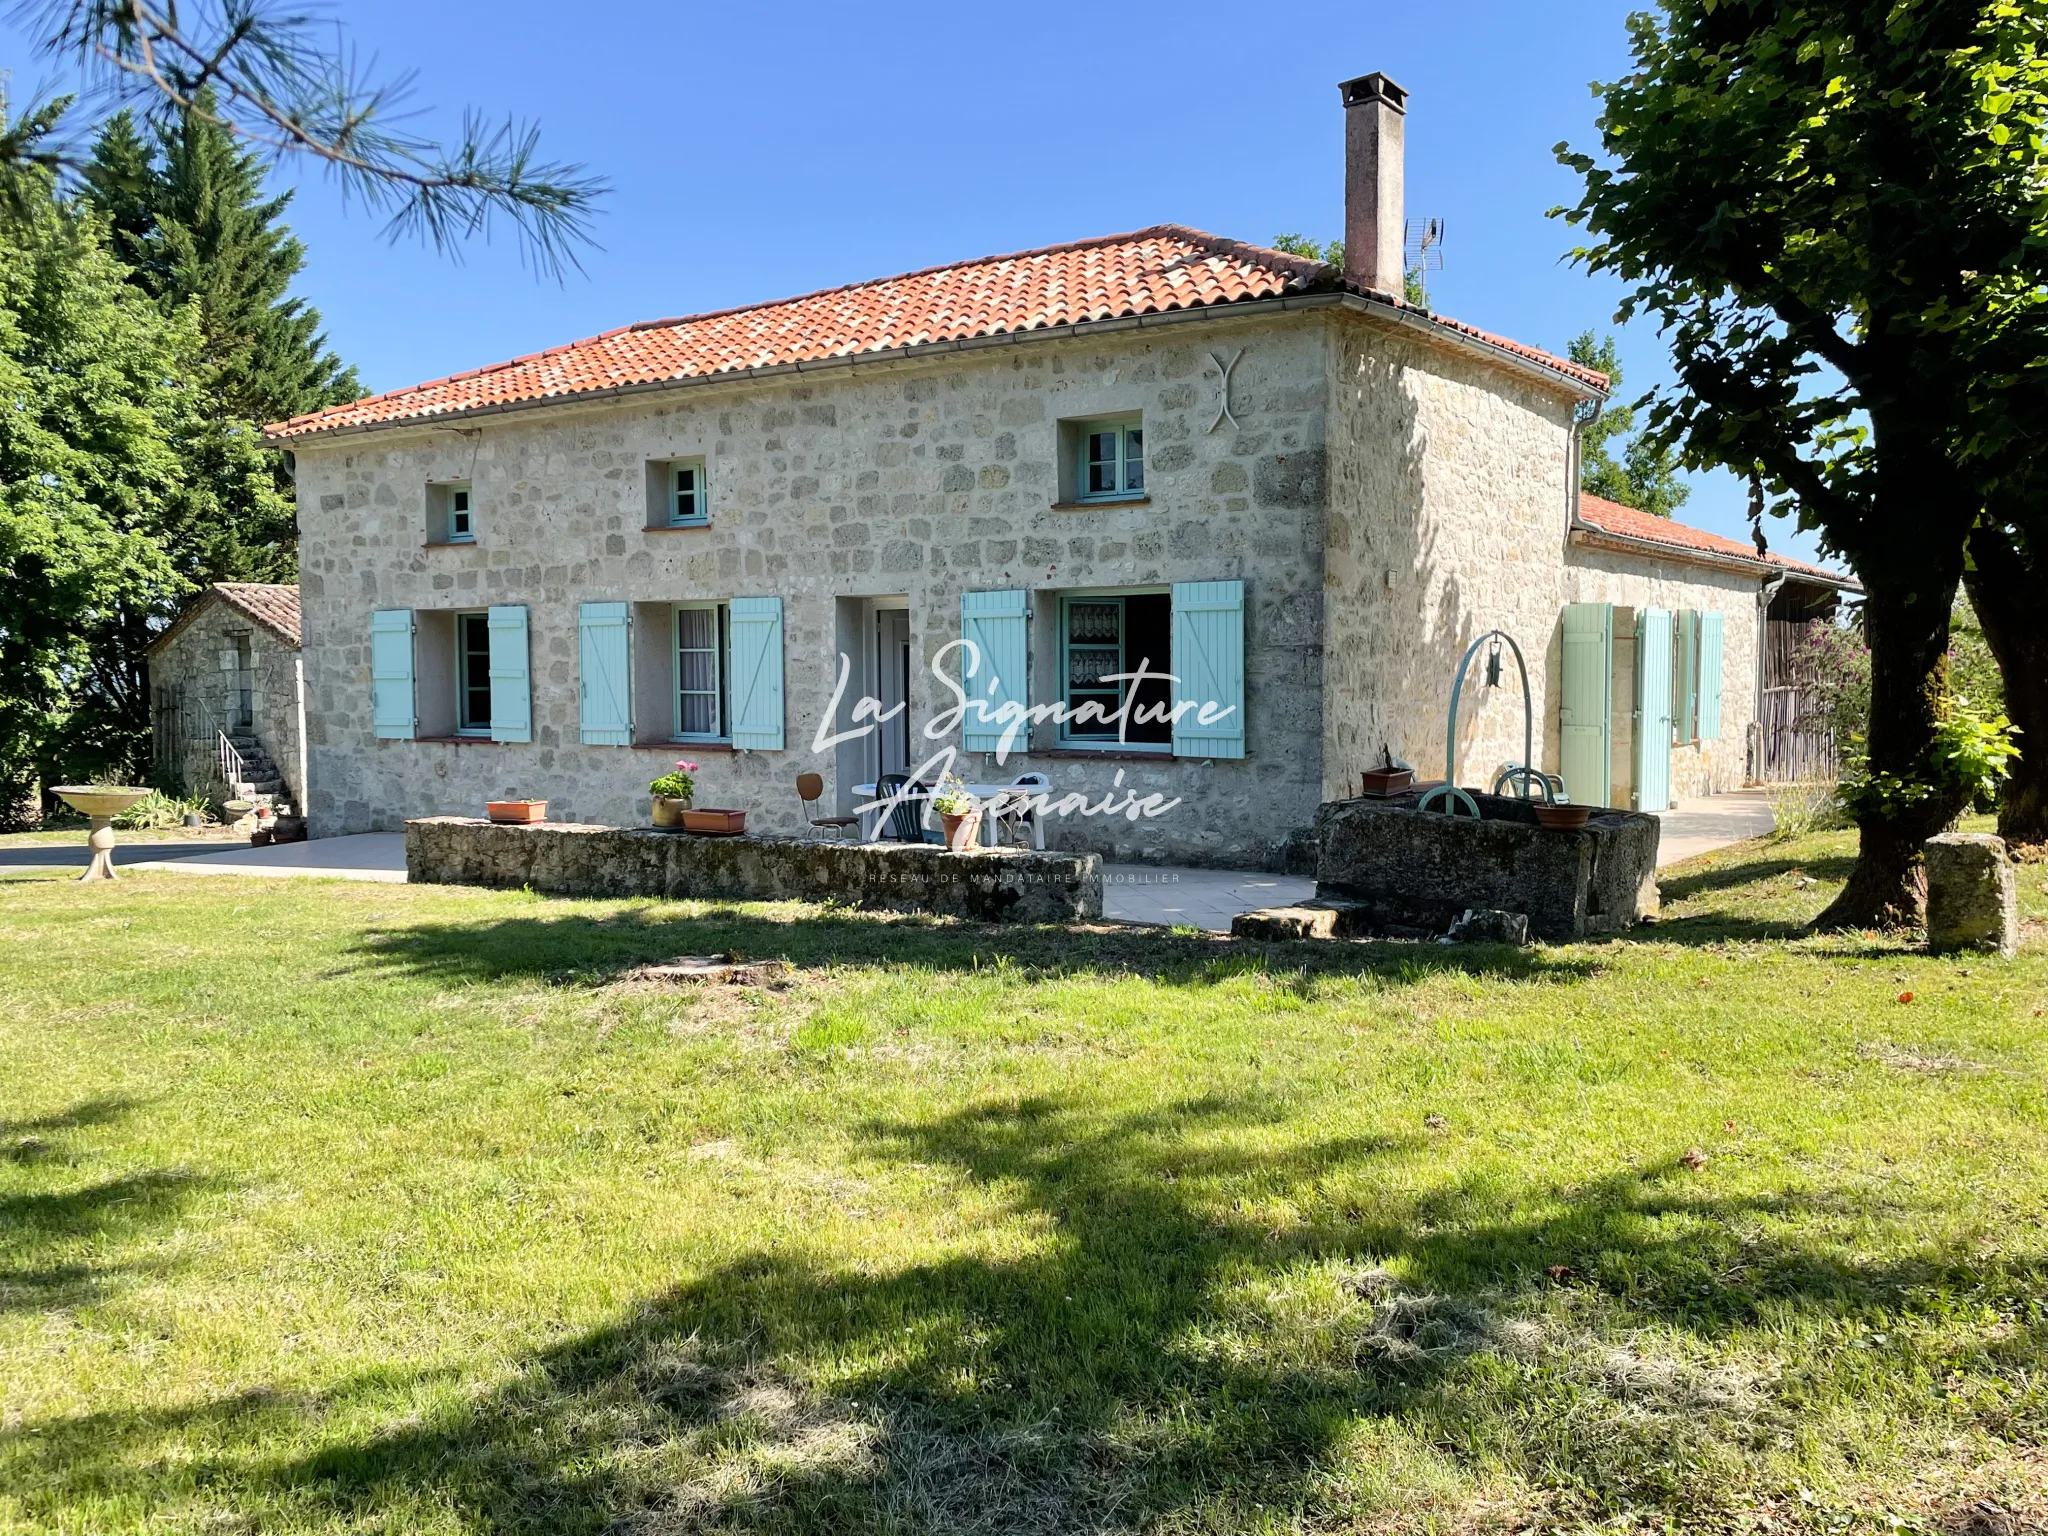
(1132,893)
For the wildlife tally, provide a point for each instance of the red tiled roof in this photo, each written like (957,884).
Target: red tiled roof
(1611,517)
(1152,271)
(274,605)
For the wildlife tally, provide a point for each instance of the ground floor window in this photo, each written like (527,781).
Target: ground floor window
(1106,638)
(473,673)
(703,667)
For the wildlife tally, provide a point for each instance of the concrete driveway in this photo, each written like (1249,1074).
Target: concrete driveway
(365,856)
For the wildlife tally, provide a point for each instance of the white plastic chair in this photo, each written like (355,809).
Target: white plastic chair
(1021,813)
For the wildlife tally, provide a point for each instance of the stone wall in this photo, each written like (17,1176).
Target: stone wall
(998,885)
(191,659)
(1449,516)
(920,480)
(1448,481)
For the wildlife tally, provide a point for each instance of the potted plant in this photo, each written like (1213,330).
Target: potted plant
(958,814)
(673,793)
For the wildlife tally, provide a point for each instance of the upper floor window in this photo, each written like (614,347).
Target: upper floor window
(1112,459)
(678,494)
(689,501)
(451,516)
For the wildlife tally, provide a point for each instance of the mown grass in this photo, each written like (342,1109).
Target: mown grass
(333,1207)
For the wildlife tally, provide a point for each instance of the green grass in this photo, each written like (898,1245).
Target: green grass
(379,1208)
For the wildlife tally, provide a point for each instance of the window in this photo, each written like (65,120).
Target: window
(703,665)
(678,494)
(473,674)
(1110,460)
(688,502)
(451,515)
(1104,639)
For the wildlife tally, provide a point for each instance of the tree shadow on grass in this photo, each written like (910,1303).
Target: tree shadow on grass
(1179,1324)
(575,947)
(59,1246)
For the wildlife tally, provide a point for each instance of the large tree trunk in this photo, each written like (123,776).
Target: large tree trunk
(1910,586)
(2006,593)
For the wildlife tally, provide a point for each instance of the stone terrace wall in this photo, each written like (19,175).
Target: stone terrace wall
(998,885)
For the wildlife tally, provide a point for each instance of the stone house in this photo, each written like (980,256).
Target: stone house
(757,538)
(228,695)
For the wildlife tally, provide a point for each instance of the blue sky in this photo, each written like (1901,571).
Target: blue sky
(757,152)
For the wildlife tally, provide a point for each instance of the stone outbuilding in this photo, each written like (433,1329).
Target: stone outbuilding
(228,695)
(1191,528)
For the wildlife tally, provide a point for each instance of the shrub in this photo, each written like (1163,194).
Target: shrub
(158,810)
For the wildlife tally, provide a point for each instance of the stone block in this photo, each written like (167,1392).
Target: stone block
(1972,898)
(1415,870)
(1285,923)
(1490,926)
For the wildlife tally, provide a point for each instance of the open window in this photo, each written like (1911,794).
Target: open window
(451,513)
(682,672)
(678,494)
(1106,639)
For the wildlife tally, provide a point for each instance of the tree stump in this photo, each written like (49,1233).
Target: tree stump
(1972,900)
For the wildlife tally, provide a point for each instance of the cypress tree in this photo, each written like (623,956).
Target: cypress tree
(191,220)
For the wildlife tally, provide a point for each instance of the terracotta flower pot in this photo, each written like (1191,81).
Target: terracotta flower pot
(962,832)
(517,812)
(669,811)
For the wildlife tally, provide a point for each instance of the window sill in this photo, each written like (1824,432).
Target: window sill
(682,746)
(1119,754)
(466,741)
(448,544)
(1102,504)
(702,527)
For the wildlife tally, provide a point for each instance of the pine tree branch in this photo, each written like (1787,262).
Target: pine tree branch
(260,74)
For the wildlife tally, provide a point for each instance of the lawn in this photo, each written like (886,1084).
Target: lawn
(331,1207)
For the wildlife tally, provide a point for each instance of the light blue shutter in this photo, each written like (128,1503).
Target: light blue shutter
(1653,710)
(994,623)
(511,684)
(1687,644)
(391,708)
(1208,658)
(607,715)
(757,673)
(1585,715)
(1711,625)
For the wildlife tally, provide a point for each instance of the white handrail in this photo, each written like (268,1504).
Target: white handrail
(232,768)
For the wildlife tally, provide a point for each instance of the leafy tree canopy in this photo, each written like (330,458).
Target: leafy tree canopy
(122,490)
(1646,475)
(1835,212)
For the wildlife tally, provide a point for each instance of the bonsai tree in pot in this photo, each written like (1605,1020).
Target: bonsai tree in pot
(958,813)
(673,793)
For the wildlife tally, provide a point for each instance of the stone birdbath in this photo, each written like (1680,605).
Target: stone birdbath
(102,803)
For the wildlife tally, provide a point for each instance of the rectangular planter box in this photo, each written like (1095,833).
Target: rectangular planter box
(718,823)
(1378,783)
(517,812)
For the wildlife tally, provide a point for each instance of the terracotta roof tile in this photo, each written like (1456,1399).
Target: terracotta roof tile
(274,605)
(1612,517)
(1152,271)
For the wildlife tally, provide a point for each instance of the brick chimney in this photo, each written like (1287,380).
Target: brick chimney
(1375,170)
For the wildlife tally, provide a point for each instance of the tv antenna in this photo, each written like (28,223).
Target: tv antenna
(1424,250)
